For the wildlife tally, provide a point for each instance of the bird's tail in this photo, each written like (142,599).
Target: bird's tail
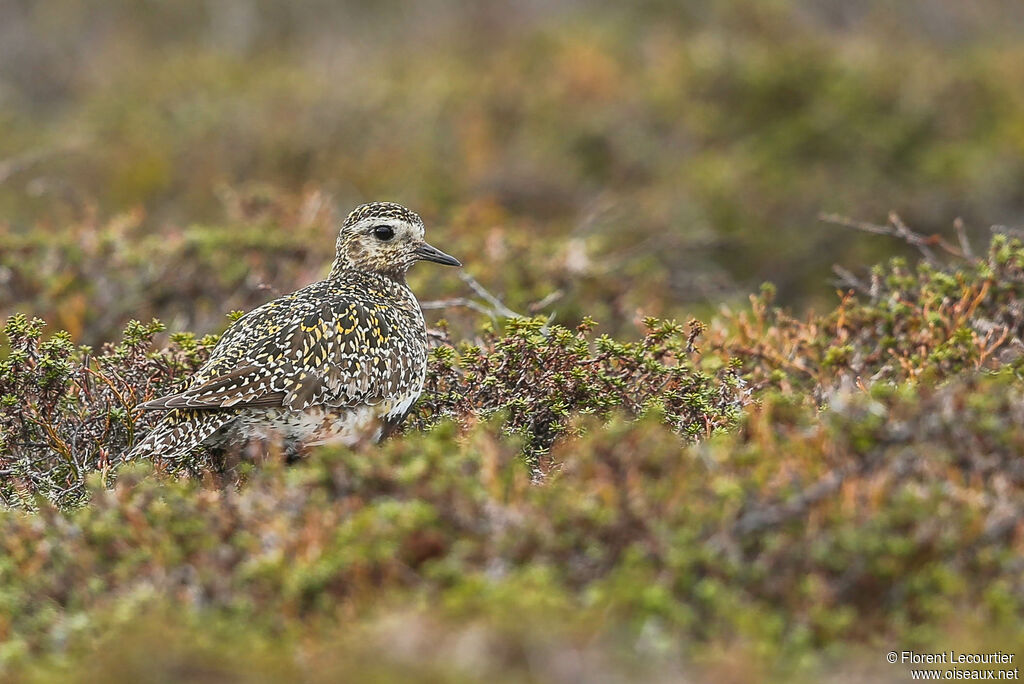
(180,433)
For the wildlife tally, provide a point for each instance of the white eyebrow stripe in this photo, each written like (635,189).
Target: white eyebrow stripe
(367,225)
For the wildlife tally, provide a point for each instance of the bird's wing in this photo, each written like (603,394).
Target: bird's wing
(300,352)
(244,386)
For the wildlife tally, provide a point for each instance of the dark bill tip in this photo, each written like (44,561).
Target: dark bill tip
(428,253)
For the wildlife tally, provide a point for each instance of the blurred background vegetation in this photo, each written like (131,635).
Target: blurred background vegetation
(175,159)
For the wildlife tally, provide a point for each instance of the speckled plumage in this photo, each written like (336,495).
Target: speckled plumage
(340,360)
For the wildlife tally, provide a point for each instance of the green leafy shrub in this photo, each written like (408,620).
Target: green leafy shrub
(891,518)
(922,323)
(67,412)
(541,375)
(638,493)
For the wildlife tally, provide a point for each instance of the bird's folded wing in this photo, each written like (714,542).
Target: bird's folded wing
(248,386)
(319,359)
(252,387)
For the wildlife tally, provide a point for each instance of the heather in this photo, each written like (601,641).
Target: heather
(729,389)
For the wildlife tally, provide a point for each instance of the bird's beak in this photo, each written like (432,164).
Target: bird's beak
(428,253)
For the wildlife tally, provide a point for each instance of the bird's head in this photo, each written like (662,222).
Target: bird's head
(385,238)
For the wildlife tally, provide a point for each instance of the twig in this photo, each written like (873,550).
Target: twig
(912,238)
(481,291)
(961,236)
(497,308)
(898,229)
(846,222)
(129,409)
(456,302)
(13,165)
(548,300)
(847,278)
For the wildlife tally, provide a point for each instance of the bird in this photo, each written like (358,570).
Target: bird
(342,360)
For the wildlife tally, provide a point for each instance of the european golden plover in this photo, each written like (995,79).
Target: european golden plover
(341,360)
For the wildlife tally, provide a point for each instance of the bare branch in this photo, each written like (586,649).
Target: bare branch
(846,222)
(481,291)
(848,279)
(898,229)
(456,302)
(548,300)
(961,236)
(912,238)
(14,165)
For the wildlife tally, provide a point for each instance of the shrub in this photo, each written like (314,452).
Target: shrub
(67,412)
(858,486)
(541,375)
(884,522)
(922,323)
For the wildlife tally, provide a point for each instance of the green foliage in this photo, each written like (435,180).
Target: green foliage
(886,528)
(924,323)
(67,412)
(539,375)
(691,502)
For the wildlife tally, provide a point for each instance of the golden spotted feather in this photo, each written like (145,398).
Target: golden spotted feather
(340,344)
(343,359)
(336,344)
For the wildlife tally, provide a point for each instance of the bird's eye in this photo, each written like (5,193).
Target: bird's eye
(384,233)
